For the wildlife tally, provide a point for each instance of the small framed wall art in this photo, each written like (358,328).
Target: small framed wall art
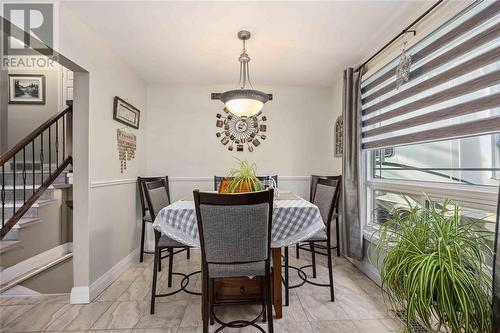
(125,113)
(26,89)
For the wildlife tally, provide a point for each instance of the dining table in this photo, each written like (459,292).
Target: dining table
(294,220)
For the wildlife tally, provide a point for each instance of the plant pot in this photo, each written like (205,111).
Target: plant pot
(244,186)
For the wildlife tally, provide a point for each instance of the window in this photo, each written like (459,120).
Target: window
(439,133)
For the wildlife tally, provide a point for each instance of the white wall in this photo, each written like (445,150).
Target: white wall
(183,145)
(106,222)
(22,118)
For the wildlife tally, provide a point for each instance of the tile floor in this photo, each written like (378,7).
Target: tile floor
(124,306)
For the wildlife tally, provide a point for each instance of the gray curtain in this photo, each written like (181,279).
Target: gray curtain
(351,111)
(496,275)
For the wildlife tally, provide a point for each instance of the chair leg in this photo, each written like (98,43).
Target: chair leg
(338,235)
(188,254)
(287,281)
(141,252)
(155,272)
(159,261)
(170,266)
(205,308)
(330,271)
(269,302)
(211,289)
(313,257)
(264,298)
(297,249)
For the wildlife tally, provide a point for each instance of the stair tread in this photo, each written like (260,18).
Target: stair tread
(28,187)
(6,245)
(38,203)
(26,221)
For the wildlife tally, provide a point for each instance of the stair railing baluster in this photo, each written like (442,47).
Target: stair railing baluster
(14,184)
(24,175)
(2,195)
(33,163)
(57,142)
(41,156)
(64,137)
(50,152)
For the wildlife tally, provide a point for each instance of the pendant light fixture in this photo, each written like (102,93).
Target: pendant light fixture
(245,101)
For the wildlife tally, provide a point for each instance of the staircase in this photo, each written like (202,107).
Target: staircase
(35,232)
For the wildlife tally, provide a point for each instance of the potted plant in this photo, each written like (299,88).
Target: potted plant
(433,266)
(243,178)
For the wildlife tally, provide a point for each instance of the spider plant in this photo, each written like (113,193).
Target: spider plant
(433,264)
(244,178)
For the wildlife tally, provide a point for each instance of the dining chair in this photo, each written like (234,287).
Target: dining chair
(264,179)
(312,192)
(235,239)
(145,215)
(156,193)
(326,197)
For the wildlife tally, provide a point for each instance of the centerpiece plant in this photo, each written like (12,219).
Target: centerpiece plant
(433,263)
(243,178)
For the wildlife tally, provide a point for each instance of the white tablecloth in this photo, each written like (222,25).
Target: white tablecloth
(293,221)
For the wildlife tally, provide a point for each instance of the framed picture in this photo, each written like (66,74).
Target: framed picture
(26,89)
(126,113)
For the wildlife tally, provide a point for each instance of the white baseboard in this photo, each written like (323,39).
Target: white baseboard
(110,276)
(84,295)
(79,295)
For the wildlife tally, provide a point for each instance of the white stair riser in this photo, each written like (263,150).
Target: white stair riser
(9,212)
(12,235)
(9,194)
(9,178)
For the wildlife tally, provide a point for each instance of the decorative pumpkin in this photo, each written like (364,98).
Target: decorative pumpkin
(243,179)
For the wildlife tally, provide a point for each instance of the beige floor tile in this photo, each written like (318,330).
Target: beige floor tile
(166,315)
(38,317)
(114,291)
(121,315)
(294,312)
(21,300)
(338,326)
(79,317)
(131,273)
(362,306)
(155,330)
(138,291)
(63,298)
(10,313)
(377,326)
(109,331)
(319,308)
(192,315)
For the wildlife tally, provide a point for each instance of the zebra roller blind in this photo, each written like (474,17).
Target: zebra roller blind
(454,86)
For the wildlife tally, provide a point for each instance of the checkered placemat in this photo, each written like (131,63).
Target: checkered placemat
(293,221)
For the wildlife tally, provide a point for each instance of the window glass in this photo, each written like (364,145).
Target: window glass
(473,161)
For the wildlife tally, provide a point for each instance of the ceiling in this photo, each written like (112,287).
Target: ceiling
(293,43)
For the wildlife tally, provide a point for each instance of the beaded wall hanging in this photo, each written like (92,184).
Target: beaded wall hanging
(126,144)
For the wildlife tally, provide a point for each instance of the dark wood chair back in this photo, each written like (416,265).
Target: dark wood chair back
(157,196)
(141,182)
(314,181)
(234,228)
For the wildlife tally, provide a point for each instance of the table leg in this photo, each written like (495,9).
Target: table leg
(278,306)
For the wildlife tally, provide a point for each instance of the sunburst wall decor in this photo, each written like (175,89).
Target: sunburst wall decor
(240,132)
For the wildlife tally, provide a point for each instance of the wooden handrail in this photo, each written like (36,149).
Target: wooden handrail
(18,147)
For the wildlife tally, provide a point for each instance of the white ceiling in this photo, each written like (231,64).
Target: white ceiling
(293,43)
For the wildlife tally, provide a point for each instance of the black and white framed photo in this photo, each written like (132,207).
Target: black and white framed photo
(26,89)
(125,113)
